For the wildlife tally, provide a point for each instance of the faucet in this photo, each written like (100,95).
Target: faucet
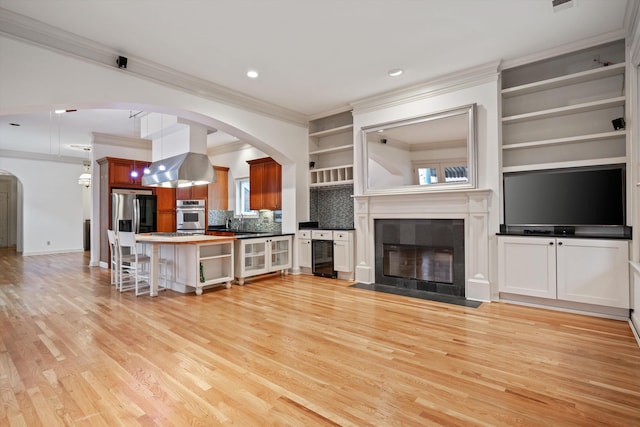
(241,222)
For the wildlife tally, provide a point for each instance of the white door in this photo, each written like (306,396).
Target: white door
(527,266)
(4,220)
(594,271)
(341,256)
(304,252)
(280,253)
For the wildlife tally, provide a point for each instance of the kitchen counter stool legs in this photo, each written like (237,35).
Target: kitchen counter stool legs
(115,263)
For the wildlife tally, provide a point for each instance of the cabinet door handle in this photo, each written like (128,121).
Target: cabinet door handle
(551,243)
(559,243)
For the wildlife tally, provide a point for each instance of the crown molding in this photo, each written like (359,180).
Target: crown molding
(452,82)
(38,33)
(27,155)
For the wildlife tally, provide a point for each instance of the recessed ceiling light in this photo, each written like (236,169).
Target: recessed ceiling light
(59,111)
(252,74)
(395,72)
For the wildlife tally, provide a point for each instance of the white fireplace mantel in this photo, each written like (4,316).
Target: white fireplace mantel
(471,205)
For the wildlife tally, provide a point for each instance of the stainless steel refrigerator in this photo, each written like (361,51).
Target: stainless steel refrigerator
(133,210)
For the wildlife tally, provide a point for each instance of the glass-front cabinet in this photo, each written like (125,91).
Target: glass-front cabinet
(261,256)
(254,257)
(280,252)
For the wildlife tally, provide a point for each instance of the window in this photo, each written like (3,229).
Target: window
(434,173)
(242,198)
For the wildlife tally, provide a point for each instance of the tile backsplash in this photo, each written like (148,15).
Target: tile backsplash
(332,206)
(264,222)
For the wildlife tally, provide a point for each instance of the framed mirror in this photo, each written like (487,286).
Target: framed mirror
(432,152)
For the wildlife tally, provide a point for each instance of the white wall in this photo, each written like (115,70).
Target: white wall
(52,204)
(37,79)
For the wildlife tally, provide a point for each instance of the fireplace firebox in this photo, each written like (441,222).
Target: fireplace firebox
(421,254)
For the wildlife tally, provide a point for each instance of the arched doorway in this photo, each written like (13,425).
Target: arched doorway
(10,235)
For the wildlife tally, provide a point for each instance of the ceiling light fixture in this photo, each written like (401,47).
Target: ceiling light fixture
(395,72)
(252,74)
(85,177)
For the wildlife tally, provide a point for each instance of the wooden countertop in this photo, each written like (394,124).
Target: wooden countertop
(185,240)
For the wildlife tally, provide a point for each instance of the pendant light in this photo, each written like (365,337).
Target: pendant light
(134,173)
(85,177)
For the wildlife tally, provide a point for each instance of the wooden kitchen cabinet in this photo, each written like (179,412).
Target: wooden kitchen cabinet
(219,190)
(195,192)
(120,172)
(265,182)
(115,173)
(166,209)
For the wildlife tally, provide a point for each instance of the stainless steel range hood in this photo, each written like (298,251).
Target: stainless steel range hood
(183,170)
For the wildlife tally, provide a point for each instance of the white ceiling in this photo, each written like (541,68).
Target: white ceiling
(313,56)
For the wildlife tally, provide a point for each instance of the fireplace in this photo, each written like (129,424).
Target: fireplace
(421,254)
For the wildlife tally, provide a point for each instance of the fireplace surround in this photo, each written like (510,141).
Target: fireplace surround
(471,206)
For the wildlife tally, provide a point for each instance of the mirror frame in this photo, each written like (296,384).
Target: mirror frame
(469,109)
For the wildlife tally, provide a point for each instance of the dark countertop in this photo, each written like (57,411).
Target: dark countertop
(330,228)
(242,234)
(567,236)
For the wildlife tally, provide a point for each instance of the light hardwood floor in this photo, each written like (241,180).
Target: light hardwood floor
(296,350)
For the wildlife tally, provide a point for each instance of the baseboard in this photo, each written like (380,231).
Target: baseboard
(63,251)
(567,306)
(634,323)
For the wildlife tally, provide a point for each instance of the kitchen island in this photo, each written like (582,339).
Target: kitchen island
(189,261)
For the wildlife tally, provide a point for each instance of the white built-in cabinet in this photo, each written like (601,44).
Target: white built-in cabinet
(202,265)
(304,248)
(262,255)
(558,112)
(589,271)
(331,150)
(343,251)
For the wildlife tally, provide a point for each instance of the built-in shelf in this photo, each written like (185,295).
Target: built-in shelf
(566,140)
(331,176)
(581,77)
(562,111)
(332,149)
(571,164)
(332,131)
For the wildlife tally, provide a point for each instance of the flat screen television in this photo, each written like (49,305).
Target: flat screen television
(589,196)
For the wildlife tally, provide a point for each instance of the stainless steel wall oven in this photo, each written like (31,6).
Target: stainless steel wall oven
(190,216)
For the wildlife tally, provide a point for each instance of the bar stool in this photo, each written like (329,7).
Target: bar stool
(134,266)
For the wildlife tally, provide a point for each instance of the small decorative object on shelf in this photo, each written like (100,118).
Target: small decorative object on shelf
(618,123)
(201,273)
